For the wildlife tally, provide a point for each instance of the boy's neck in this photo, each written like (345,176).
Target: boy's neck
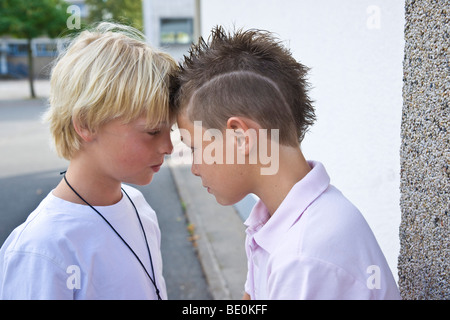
(95,188)
(273,189)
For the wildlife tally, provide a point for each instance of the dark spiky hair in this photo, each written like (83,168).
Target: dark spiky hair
(247,73)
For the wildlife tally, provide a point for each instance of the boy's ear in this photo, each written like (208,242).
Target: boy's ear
(245,137)
(84,132)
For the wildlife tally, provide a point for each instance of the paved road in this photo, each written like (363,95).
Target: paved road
(29,170)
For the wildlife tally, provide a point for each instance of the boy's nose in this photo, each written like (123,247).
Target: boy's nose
(194,170)
(167,146)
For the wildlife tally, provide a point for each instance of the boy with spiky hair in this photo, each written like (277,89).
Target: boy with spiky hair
(305,240)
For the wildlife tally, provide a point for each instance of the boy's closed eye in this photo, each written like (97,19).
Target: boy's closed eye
(154,132)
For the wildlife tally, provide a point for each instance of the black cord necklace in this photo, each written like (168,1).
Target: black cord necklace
(153,280)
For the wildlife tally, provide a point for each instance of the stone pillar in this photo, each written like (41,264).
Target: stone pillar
(424,260)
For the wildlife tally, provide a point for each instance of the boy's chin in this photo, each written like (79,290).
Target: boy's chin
(227,201)
(142,180)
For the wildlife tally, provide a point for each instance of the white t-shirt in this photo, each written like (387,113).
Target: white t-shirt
(67,251)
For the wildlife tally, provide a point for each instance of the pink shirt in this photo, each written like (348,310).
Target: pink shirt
(316,245)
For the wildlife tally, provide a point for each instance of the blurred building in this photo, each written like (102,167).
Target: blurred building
(13,52)
(167,24)
(170,25)
(14,61)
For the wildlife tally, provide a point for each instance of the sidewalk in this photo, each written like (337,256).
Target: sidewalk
(20,89)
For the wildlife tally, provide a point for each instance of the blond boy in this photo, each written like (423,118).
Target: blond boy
(94,237)
(305,240)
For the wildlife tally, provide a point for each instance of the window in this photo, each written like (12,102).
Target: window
(40,49)
(176,31)
(17,49)
(47,49)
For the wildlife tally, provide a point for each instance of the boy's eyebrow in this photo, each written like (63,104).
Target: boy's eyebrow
(146,125)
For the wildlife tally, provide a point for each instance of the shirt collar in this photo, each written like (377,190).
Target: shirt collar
(267,231)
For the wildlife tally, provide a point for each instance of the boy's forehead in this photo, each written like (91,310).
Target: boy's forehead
(144,122)
(184,122)
(188,129)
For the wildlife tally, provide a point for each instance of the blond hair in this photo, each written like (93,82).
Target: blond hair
(107,73)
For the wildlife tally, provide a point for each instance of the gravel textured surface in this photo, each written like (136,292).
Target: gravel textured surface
(424,261)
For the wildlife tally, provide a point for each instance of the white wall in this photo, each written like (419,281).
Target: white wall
(355,51)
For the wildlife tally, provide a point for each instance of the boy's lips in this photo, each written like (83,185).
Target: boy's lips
(157,167)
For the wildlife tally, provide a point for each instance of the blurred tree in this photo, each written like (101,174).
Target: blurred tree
(30,19)
(124,11)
